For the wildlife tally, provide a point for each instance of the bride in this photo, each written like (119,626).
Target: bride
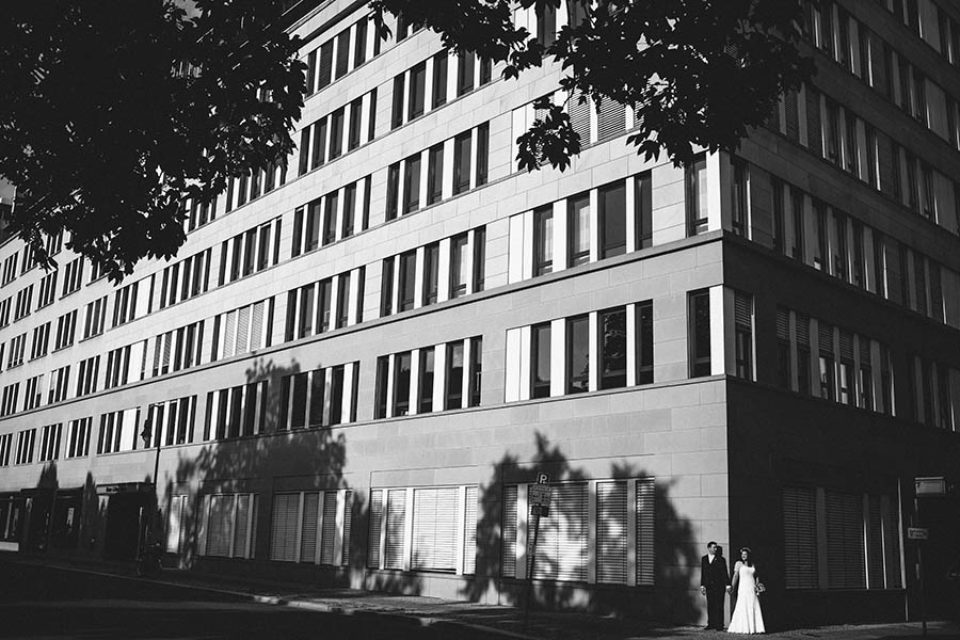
(746,616)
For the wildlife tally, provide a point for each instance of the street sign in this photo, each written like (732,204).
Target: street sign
(917,533)
(543,478)
(540,494)
(930,486)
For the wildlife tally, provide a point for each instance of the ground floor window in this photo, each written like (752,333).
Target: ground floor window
(311,526)
(176,519)
(840,539)
(227,525)
(10,510)
(614,546)
(423,529)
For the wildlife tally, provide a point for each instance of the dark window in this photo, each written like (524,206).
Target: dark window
(336,394)
(644,321)
(353,135)
(458,266)
(324,305)
(440,78)
(393,190)
(431,272)
(401,384)
(418,87)
(486,70)
(382,390)
(479,258)
(386,288)
(696,196)
(820,260)
(435,174)
(699,333)
(360,43)
(613,348)
(343,301)
(465,64)
(543,240)
(613,219)
(483,150)
(307,294)
(343,53)
(475,372)
(546,24)
(304,152)
(743,335)
(311,71)
(291,316)
(578,229)
(299,412)
(643,207)
(336,133)
(326,64)
(319,142)
(461,162)
(454,394)
(797,198)
(317,388)
(425,403)
(408,274)
(349,204)
(312,232)
(578,354)
(396,118)
(330,218)
(778,215)
(540,360)
(411,184)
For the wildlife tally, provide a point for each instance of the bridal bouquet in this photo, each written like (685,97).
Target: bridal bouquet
(760,588)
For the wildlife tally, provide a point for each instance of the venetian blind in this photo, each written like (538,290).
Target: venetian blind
(508,533)
(612,532)
(562,545)
(470,530)
(800,537)
(376,518)
(283,530)
(308,530)
(646,520)
(220,530)
(396,528)
(435,529)
(845,553)
(242,529)
(329,528)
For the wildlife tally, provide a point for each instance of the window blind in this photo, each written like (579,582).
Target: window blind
(783,324)
(743,309)
(220,530)
(580,117)
(508,533)
(435,529)
(562,545)
(329,528)
(283,530)
(874,544)
(612,532)
(800,538)
(373,540)
(241,530)
(646,520)
(470,530)
(308,535)
(396,523)
(845,544)
(611,119)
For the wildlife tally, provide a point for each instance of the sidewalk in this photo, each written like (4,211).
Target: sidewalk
(464,620)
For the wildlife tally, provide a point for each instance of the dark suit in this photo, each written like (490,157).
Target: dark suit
(715,578)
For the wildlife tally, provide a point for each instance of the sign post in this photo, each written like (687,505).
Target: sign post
(923,487)
(538,495)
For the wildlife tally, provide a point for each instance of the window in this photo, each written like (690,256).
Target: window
(436,533)
(87,376)
(796,208)
(401,390)
(78,437)
(699,333)
(26,442)
(326,65)
(353,132)
(59,381)
(461,162)
(643,210)
(336,133)
(72,277)
(543,240)
(828,383)
(411,184)
(427,364)
(821,258)
(40,341)
(33,395)
(569,539)
(743,335)
(696,196)
(440,78)
(396,118)
(343,54)
(784,371)
(408,277)
(578,354)
(454,377)
(418,84)
(431,273)
(393,190)
(613,219)
(459,269)
(465,66)
(96,317)
(311,527)
(846,370)
(865,381)
(803,354)
(435,174)
(48,289)
(483,152)
(229,523)
(540,360)
(578,229)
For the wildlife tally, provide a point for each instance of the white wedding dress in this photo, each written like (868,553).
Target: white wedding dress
(746,616)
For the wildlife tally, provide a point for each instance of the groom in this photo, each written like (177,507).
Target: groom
(714,583)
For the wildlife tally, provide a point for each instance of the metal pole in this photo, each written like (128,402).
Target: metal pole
(923,609)
(533,564)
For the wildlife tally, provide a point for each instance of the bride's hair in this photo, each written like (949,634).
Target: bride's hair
(749,560)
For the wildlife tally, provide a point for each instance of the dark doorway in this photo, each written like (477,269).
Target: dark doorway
(123,526)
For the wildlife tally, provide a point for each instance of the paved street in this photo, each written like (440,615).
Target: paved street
(55,602)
